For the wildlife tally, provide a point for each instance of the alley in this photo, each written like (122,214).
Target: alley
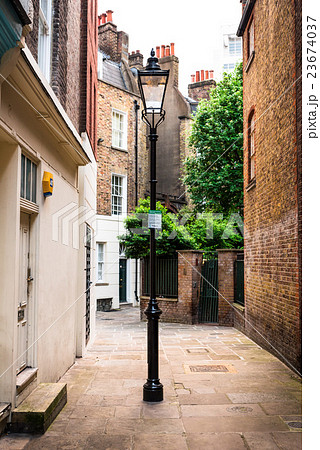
(221,391)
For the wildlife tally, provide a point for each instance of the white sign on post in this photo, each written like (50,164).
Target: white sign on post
(155,219)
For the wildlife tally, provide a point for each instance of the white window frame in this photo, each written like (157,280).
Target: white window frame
(101,261)
(44,40)
(123,195)
(252,150)
(251,38)
(116,131)
(28,184)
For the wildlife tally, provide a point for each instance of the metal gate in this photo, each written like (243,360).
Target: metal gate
(88,281)
(208,302)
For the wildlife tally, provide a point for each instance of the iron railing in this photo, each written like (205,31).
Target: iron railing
(166,277)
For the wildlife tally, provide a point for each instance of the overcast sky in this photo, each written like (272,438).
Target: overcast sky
(194,27)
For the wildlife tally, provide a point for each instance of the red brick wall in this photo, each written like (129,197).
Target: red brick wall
(88,64)
(226,259)
(74,54)
(272,208)
(111,160)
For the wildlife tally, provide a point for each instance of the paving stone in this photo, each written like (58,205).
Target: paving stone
(288,441)
(161,441)
(251,409)
(221,410)
(261,441)
(235,424)
(225,441)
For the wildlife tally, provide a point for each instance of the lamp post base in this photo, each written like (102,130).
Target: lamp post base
(153,391)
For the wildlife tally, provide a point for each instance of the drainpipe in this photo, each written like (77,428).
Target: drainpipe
(136,108)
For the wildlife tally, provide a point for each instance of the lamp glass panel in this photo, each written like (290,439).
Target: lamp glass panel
(153,89)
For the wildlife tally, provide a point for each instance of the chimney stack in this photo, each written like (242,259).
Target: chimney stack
(168,60)
(201,85)
(136,60)
(109,15)
(112,42)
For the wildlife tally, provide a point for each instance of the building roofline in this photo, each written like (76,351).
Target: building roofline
(245,17)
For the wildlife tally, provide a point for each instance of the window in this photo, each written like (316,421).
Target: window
(251,39)
(235,46)
(118,195)
(28,189)
(251,147)
(44,44)
(229,66)
(100,260)
(119,130)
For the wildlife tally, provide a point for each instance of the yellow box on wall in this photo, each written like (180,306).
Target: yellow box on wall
(47,184)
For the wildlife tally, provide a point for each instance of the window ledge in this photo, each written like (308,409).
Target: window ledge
(119,149)
(251,185)
(239,307)
(250,59)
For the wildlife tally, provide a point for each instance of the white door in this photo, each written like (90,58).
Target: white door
(24,292)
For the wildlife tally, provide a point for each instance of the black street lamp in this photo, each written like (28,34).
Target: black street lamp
(152,85)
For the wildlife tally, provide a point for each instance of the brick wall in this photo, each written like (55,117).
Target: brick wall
(73,56)
(201,90)
(272,206)
(88,69)
(226,259)
(183,309)
(111,160)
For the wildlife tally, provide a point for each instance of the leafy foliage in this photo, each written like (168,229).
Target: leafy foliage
(213,174)
(187,231)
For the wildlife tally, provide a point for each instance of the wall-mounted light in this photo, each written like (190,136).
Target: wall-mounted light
(100,140)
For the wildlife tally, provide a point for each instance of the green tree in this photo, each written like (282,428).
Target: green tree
(213,174)
(179,232)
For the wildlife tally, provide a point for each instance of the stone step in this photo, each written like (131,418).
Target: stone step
(36,413)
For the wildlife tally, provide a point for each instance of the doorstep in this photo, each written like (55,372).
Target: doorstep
(36,413)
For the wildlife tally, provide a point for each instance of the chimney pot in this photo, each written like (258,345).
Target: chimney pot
(211,74)
(207,74)
(158,51)
(103,18)
(202,75)
(137,51)
(109,15)
(162,50)
(172,48)
(197,75)
(193,78)
(167,50)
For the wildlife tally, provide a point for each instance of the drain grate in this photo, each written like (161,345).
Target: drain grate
(240,409)
(213,368)
(297,425)
(197,350)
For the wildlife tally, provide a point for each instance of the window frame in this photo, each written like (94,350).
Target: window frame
(102,262)
(123,195)
(251,148)
(237,43)
(28,187)
(44,40)
(251,40)
(116,144)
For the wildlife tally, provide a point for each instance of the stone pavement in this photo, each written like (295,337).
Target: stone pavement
(221,391)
